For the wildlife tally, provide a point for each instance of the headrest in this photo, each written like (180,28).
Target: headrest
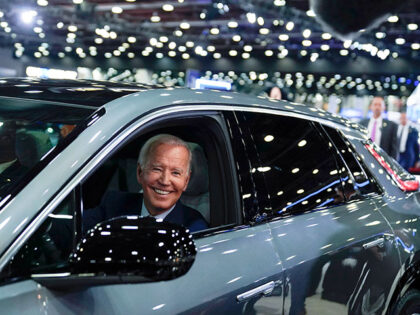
(199,181)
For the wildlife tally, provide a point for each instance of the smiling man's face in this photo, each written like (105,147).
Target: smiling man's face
(164,178)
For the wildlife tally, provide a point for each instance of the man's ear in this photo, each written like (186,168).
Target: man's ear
(139,174)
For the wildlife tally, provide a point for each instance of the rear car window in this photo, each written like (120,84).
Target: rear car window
(29,129)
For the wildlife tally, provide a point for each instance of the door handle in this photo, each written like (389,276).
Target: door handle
(378,242)
(264,289)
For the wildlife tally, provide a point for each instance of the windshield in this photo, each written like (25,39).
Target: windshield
(29,129)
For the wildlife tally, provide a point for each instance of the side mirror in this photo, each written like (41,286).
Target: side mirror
(127,249)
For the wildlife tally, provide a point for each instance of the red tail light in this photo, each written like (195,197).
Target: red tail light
(404,185)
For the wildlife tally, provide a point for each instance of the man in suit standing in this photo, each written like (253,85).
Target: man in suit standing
(408,143)
(382,131)
(163,171)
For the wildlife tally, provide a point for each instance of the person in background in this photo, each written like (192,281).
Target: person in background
(275,93)
(380,130)
(408,138)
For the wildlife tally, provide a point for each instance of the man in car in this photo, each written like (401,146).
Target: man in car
(381,131)
(163,171)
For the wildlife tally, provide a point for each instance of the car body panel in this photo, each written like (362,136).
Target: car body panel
(224,268)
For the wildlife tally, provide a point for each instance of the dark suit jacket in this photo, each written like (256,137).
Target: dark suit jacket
(116,203)
(389,141)
(410,156)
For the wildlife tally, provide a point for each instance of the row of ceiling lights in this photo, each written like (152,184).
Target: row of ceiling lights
(105,33)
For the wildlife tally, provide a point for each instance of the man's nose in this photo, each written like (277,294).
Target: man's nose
(164,178)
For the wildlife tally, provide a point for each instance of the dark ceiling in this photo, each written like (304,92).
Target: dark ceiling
(195,29)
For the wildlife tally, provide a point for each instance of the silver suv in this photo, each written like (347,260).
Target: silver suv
(305,214)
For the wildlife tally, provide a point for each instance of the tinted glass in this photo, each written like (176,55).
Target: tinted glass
(255,205)
(355,175)
(296,161)
(29,129)
(47,249)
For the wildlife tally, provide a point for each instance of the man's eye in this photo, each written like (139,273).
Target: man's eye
(156,169)
(176,173)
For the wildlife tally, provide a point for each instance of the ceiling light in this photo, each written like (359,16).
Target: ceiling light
(284,37)
(42,3)
(60,25)
(214,31)
(163,39)
(260,21)
(117,10)
(37,54)
(71,35)
(325,47)
(310,13)
(393,19)
(155,18)
(211,48)
(153,41)
(415,46)
(178,33)
(290,26)
(279,3)
(202,15)
(306,33)
(131,39)
(168,7)
(233,24)
(380,35)
(269,53)
(77,1)
(185,56)
(344,52)
(37,29)
(347,43)
(61,54)
(252,18)
(412,26)
(99,40)
(159,55)
(306,43)
(182,48)
(248,48)
(236,38)
(303,53)
(217,55)
(233,53)
(108,55)
(326,36)
(72,28)
(172,53)
(400,41)
(172,45)
(28,16)
(184,25)
(264,31)
(131,55)
(198,50)
(189,44)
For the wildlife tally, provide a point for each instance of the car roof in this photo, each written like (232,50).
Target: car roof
(98,93)
(151,100)
(95,93)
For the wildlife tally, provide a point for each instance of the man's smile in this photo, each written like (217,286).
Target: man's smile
(161,192)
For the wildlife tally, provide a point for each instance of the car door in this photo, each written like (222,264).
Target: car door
(335,246)
(234,267)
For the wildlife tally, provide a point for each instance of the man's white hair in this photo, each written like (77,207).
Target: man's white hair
(157,140)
